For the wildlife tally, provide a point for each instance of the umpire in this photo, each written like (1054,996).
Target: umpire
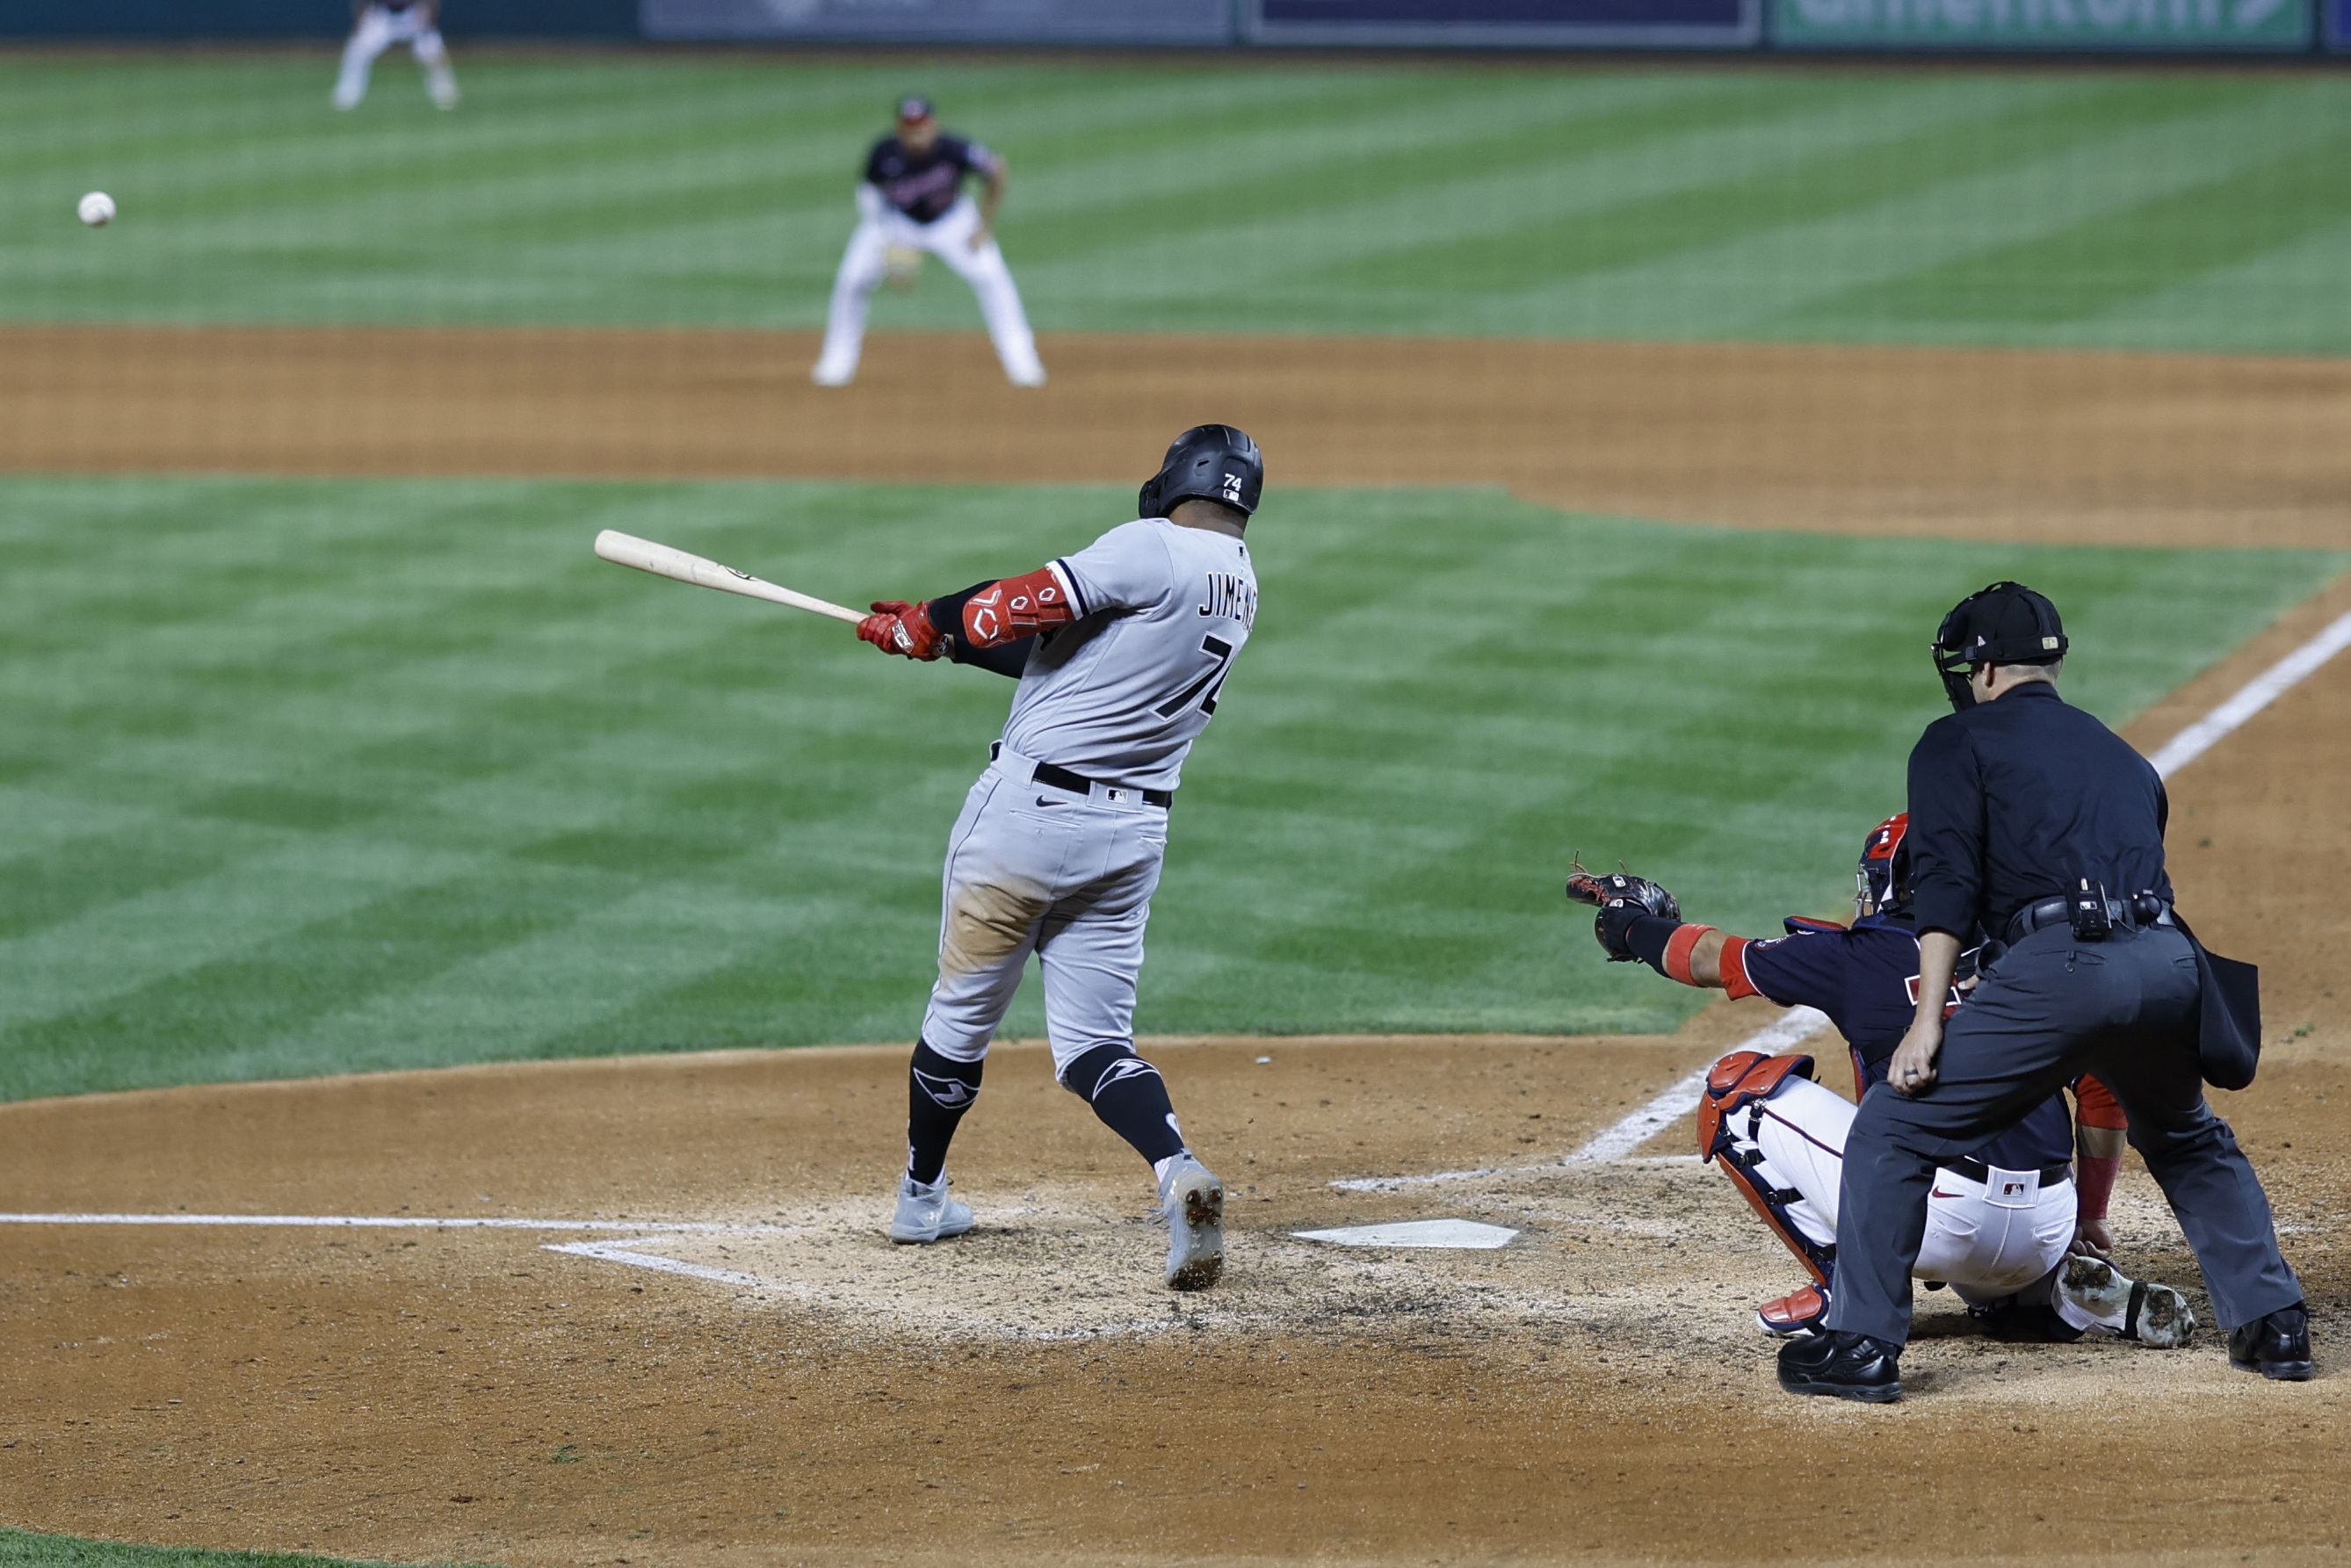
(2033,823)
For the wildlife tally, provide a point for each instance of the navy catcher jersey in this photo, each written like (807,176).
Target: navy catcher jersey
(1865,977)
(924,188)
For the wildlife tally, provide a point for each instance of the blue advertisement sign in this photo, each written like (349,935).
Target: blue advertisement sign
(1491,24)
(2339,24)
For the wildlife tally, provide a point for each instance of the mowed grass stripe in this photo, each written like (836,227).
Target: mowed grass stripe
(1485,197)
(610,813)
(2110,262)
(1838,181)
(1262,273)
(1784,269)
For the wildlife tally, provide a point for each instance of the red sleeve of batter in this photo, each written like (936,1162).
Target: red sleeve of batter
(1018,607)
(1735,982)
(2094,1105)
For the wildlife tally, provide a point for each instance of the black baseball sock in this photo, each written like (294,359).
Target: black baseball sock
(938,1094)
(1131,1098)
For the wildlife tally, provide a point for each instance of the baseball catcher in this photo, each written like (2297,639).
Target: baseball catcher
(2012,1227)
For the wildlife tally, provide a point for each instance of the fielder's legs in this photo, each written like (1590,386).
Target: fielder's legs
(861,271)
(370,37)
(433,59)
(949,239)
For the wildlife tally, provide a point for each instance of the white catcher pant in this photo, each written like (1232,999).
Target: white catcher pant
(1033,869)
(378,30)
(862,268)
(1984,1243)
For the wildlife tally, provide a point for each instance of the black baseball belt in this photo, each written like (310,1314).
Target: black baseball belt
(2122,915)
(1976,1170)
(1079,784)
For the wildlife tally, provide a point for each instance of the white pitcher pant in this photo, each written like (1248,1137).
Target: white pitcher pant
(1035,869)
(862,268)
(1985,1239)
(378,30)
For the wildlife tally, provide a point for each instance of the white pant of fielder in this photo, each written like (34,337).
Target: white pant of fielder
(1987,1240)
(378,30)
(863,267)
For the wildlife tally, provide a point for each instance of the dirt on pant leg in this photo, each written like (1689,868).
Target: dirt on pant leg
(987,924)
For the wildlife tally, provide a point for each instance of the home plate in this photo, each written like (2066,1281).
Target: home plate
(1460,1234)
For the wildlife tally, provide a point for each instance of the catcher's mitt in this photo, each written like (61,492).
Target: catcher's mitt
(1621,898)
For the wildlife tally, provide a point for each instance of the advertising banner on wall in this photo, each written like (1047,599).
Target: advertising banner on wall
(1506,24)
(2043,24)
(2339,24)
(1179,21)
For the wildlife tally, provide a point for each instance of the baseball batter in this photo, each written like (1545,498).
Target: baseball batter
(1121,651)
(2008,1228)
(911,199)
(376,25)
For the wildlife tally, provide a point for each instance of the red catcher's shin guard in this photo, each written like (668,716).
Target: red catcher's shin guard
(1738,1080)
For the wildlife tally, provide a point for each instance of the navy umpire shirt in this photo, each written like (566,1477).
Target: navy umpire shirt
(1865,977)
(2017,799)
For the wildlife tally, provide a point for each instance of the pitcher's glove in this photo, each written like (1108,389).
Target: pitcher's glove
(903,629)
(1621,898)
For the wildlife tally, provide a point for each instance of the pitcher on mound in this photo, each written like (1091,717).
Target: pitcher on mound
(1121,651)
(911,198)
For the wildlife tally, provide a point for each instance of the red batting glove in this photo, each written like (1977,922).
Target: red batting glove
(898,627)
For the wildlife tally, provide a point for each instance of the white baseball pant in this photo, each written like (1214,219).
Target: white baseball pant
(1035,869)
(378,30)
(862,268)
(1987,1240)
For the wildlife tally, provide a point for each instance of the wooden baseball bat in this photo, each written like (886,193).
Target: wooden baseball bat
(627,549)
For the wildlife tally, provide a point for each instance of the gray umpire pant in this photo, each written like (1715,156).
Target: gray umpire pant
(2051,1007)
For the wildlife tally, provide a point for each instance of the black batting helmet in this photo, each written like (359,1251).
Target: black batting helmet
(1209,463)
(2007,624)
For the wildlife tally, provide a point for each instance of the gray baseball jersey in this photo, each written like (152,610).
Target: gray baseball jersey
(1121,693)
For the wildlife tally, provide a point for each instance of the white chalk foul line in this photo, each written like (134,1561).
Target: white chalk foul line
(2254,696)
(1612,1146)
(613,1252)
(403,1222)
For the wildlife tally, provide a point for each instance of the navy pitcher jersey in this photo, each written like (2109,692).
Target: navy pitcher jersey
(1865,977)
(924,188)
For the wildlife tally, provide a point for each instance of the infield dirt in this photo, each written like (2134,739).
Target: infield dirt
(1594,1392)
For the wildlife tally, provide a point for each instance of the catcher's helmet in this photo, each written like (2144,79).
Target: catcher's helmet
(1883,879)
(2007,624)
(1209,463)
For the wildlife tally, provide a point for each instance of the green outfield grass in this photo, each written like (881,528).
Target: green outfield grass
(2121,209)
(306,777)
(22,1549)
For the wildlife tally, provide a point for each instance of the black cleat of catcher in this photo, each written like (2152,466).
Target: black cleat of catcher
(2276,1346)
(1847,1365)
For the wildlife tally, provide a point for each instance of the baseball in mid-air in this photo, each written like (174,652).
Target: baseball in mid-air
(97,209)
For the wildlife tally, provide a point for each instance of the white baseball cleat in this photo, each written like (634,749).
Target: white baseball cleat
(826,375)
(1192,1204)
(926,1213)
(1027,376)
(443,90)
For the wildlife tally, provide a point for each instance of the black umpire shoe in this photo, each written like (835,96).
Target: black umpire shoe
(2275,1347)
(1848,1365)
